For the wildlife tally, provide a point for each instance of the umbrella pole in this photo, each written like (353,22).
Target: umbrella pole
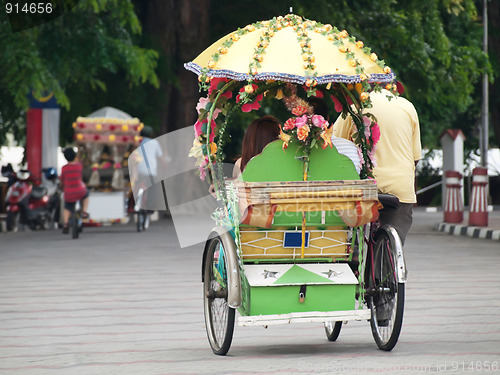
(302,249)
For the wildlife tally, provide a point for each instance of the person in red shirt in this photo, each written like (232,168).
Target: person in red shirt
(73,187)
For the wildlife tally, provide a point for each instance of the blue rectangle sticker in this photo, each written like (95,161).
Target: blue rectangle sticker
(294,240)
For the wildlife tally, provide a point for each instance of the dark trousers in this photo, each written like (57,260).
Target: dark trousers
(400,218)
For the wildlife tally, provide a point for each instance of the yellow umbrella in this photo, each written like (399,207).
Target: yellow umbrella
(290,49)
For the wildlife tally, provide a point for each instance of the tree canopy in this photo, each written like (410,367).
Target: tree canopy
(95,54)
(433,46)
(76,50)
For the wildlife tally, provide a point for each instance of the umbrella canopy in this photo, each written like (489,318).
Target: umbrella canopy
(291,49)
(110,112)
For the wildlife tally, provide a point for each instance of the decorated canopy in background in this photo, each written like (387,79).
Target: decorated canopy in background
(291,49)
(110,127)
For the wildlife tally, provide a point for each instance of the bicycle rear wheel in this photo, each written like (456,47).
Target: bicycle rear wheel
(219,317)
(385,295)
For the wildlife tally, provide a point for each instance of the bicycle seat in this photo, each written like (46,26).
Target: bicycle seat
(388,201)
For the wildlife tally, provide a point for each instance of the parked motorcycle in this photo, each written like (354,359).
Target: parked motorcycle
(29,204)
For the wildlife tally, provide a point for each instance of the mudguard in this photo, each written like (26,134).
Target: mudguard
(401,271)
(233,271)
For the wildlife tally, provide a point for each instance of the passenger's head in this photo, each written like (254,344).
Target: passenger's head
(319,106)
(147,131)
(259,133)
(69,154)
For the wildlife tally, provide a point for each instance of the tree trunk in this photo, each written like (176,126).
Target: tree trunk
(180,29)
(494,52)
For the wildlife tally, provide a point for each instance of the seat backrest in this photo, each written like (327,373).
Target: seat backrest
(276,164)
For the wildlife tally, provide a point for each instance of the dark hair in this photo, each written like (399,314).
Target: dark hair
(319,106)
(259,133)
(69,154)
(147,131)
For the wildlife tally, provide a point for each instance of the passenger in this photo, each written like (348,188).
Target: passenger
(259,133)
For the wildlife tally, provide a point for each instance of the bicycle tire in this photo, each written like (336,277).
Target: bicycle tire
(140,221)
(385,295)
(12,221)
(332,330)
(219,317)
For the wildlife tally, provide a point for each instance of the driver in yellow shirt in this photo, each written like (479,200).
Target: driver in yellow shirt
(396,155)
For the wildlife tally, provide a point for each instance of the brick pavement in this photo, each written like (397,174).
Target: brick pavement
(119,302)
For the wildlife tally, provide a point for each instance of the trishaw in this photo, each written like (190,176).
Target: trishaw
(105,138)
(297,238)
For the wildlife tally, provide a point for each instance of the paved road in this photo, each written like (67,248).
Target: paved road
(121,302)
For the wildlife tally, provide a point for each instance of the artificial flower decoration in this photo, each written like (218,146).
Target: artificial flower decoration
(299,110)
(200,129)
(303,132)
(245,97)
(282,54)
(217,84)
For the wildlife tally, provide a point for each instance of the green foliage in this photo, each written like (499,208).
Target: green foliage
(433,46)
(79,49)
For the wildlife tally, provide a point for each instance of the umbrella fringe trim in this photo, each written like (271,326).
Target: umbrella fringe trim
(376,77)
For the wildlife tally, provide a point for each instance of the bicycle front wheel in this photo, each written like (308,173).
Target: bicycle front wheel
(75,227)
(332,330)
(219,317)
(385,295)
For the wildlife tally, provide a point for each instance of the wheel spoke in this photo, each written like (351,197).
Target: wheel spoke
(385,295)
(219,317)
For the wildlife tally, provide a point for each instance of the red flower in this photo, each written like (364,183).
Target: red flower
(289,124)
(96,137)
(338,105)
(215,85)
(299,110)
(198,129)
(112,127)
(247,107)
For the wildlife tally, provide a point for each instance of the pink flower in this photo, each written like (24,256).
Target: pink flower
(289,124)
(215,84)
(371,154)
(319,121)
(375,133)
(198,129)
(202,104)
(203,173)
(367,123)
(338,105)
(301,121)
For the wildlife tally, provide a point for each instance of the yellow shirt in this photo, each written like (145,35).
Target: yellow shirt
(399,145)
